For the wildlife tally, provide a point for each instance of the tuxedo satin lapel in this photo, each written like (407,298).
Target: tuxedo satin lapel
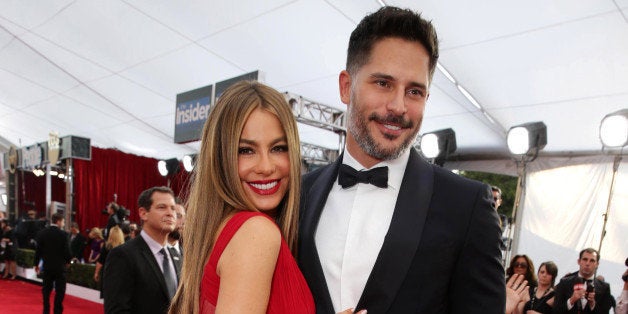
(403,237)
(150,260)
(312,201)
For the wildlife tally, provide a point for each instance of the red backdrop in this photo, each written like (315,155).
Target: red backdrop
(32,192)
(112,171)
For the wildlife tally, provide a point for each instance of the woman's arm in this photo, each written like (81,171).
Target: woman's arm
(246,267)
(97,271)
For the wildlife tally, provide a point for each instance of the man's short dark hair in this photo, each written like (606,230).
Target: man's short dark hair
(390,22)
(146,197)
(496,189)
(590,250)
(56,217)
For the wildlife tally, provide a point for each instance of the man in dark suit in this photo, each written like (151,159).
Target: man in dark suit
(140,275)
(77,242)
(416,238)
(582,292)
(54,248)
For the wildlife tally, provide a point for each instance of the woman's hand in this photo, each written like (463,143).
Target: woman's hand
(516,288)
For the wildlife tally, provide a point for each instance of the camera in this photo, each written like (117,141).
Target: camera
(590,287)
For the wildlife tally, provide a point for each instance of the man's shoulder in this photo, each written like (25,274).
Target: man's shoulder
(132,245)
(310,177)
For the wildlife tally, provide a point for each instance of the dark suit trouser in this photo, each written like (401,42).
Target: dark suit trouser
(58,281)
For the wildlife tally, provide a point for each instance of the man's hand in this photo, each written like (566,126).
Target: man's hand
(591,299)
(579,292)
(37,270)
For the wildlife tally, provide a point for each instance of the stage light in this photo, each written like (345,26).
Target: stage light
(189,161)
(438,144)
(527,138)
(614,129)
(168,167)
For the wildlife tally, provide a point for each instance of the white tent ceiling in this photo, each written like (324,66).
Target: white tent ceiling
(110,70)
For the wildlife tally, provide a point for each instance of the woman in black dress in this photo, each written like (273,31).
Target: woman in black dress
(542,296)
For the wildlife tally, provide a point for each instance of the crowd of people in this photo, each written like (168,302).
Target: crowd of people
(576,292)
(379,230)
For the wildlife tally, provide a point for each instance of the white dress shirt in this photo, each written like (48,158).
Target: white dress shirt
(351,230)
(155,248)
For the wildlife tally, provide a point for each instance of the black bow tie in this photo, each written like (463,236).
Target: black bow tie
(348,176)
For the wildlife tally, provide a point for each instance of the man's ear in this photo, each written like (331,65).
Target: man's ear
(143,212)
(344,83)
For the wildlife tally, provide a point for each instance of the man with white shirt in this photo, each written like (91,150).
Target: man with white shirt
(582,292)
(174,237)
(381,229)
(141,276)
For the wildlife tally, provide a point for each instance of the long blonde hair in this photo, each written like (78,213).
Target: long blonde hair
(115,238)
(216,190)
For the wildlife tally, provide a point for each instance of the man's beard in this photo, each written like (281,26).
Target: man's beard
(357,126)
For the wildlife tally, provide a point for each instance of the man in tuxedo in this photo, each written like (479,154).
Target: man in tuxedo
(416,238)
(53,248)
(582,292)
(140,275)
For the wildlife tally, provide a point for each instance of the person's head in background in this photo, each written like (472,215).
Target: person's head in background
(547,273)
(74,228)
(497,196)
(116,237)
(58,220)
(95,233)
(391,60)
(588,260)
(522,264)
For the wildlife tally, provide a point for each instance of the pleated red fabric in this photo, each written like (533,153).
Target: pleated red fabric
(289,291)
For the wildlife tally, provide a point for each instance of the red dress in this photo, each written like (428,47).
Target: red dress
(289,293)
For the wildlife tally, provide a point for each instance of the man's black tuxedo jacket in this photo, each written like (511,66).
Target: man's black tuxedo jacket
(53,246)
(133,281)
(564,290)
(77,245)
(441,253)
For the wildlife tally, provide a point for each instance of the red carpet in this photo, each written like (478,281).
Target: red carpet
(23,297)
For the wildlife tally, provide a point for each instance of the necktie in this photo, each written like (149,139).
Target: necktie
(169,277)
(176,258)
(347,176)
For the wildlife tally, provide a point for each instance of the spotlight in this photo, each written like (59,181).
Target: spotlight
(527,138)
(189,161)
(438,145)
(168,167)
(614,129)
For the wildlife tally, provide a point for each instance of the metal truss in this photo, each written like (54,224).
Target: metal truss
(317,115)
(318,155)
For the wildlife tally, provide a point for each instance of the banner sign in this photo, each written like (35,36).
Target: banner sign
(193,108)
(53,147)
(221,86)
(190,114)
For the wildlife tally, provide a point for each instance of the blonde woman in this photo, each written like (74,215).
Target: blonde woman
(96,244)
(116,237)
